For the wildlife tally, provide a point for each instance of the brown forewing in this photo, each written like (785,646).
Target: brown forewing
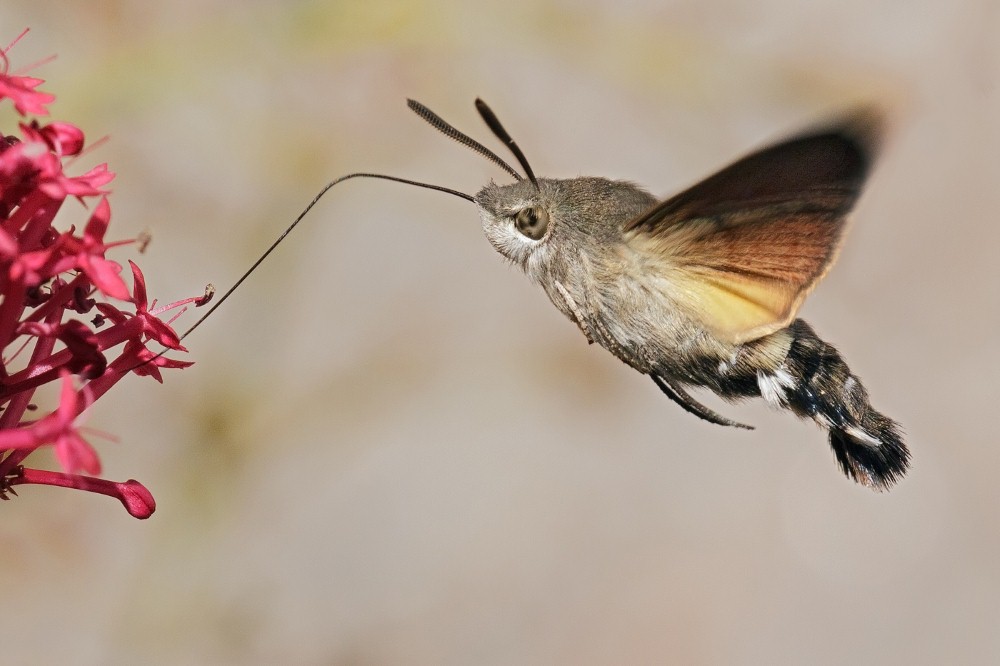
(744,246)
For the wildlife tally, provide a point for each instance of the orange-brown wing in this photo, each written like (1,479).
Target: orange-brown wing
(742,249)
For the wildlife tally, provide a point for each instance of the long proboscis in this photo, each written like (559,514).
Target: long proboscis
(436,121)
(292,226)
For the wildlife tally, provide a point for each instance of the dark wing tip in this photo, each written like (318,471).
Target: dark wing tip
(865,126)
(823,166)
(856,135)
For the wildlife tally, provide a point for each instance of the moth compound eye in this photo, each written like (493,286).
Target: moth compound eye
(532,222)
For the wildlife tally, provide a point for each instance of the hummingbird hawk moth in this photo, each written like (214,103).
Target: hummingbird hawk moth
(701,289)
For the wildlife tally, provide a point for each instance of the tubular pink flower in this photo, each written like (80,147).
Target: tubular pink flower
(64,304)
(136,499)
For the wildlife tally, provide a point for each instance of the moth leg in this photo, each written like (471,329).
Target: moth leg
(608,342)
(577,316)
(681,397)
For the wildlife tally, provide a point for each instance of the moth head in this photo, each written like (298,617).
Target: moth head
(518,219)
(526,219)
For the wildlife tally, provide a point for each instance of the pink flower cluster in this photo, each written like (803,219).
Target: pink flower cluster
(66,313)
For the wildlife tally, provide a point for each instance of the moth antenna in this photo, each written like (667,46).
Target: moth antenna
(292,226)
(440,125)
(494,124)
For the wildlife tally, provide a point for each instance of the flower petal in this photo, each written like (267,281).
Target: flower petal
(139,287)
(105,276)
(27,100)
(75,454)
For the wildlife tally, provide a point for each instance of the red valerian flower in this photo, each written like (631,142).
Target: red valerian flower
(51,281)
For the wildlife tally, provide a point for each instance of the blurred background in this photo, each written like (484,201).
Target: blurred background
(393,450)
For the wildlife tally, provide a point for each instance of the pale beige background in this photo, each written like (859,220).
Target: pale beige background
(393,450)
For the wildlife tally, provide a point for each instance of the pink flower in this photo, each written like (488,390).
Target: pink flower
(21,90)
(63,305)
(63,139)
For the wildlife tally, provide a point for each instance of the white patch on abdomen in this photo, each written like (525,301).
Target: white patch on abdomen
(774,387)
(863,436)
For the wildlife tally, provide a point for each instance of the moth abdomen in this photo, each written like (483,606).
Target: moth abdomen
(814,381)
(877,466)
